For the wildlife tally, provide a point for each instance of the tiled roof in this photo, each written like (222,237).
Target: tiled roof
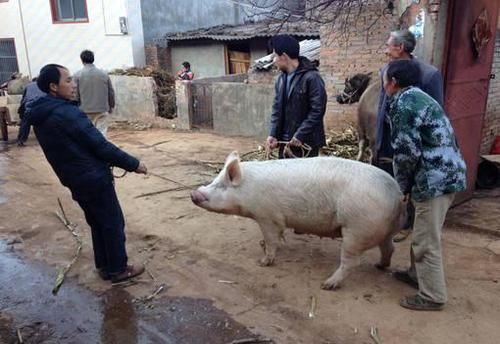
(247,31)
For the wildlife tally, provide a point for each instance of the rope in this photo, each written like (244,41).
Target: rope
(115,176)
(287,150)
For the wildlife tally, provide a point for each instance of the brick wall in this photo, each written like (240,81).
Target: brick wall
(151,55)
(491,127)
(361,51)
(158,57)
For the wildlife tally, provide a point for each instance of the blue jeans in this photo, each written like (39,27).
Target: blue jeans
(105,218)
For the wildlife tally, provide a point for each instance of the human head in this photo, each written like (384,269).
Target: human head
(400,45)
(286,49)
(400,74)
(56,80)
(186,65)
(87,57)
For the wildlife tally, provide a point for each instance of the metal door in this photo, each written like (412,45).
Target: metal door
(468,61)
(202,106)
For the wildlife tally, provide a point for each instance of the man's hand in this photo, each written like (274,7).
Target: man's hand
(142,169)
(271,142)
(295,142)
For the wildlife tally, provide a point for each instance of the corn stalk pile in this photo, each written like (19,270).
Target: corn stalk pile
(165,87)
(343,144)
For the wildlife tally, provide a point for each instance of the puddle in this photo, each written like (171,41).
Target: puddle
(77,315)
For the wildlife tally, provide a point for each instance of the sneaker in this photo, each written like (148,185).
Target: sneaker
(401,235)
(417,303)
(130,272)
(405,277)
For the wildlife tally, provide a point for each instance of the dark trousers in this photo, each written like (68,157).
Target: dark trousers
(297,151)
(105,218)
(24,130)
(410,209)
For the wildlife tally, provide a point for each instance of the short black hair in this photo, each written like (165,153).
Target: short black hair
(87,56)
(405,72)
(285,44)
(186,64)
(49,74)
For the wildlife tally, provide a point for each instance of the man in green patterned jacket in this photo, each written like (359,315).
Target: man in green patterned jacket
(428,165)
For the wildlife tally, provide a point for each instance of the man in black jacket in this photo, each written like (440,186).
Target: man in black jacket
(81,157)
(299,102)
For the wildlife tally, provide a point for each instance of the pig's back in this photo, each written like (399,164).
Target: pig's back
(326,179)
(336,172)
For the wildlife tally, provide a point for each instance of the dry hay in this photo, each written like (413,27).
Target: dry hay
(343,144)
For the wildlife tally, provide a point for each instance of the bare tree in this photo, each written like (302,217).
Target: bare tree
(342,15)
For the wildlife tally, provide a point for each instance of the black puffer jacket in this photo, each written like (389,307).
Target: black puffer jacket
(300,114)
(76,150)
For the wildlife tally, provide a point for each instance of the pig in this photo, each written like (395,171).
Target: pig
(325,196)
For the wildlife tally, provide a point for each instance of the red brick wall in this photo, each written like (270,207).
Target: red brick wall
(491,126)
(361,52)
(158,57)
(151,55)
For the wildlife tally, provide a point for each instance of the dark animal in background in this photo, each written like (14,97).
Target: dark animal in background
(358,88)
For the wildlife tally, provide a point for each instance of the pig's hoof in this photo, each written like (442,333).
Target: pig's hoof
(327,285)
(266,261)
(381,266)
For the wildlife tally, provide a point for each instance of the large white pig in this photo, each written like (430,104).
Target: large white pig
(325,196)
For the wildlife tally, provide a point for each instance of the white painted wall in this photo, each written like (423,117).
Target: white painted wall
(11,28)
(206,59)
(48,42)
(135,29)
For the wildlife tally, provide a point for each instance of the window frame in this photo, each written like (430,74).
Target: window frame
(15,51)
(54,8)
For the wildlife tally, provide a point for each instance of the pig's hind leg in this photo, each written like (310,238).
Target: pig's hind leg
(272,233)
(349,259)
(386,250)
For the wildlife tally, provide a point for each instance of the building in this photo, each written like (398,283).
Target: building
(36,32)
(227,49)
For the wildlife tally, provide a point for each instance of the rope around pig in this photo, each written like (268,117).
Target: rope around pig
(287,151)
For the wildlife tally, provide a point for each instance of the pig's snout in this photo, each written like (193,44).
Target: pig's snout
(198,197)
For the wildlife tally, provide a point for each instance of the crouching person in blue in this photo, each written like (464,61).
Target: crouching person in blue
(81,157)
(428,166)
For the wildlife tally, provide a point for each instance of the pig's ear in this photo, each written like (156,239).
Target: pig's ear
(233,155)
(233,171)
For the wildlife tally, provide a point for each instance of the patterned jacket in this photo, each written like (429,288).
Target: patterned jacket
(427,161)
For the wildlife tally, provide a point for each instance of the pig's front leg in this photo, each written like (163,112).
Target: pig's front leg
(348,261)
(272,233)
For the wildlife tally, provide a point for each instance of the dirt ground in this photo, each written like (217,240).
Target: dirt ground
(198,254)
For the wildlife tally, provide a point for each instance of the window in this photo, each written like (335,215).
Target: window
(69,11)
(8,59)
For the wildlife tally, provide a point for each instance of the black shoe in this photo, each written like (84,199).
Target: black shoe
(404,277)
(130,272)
(103,274)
